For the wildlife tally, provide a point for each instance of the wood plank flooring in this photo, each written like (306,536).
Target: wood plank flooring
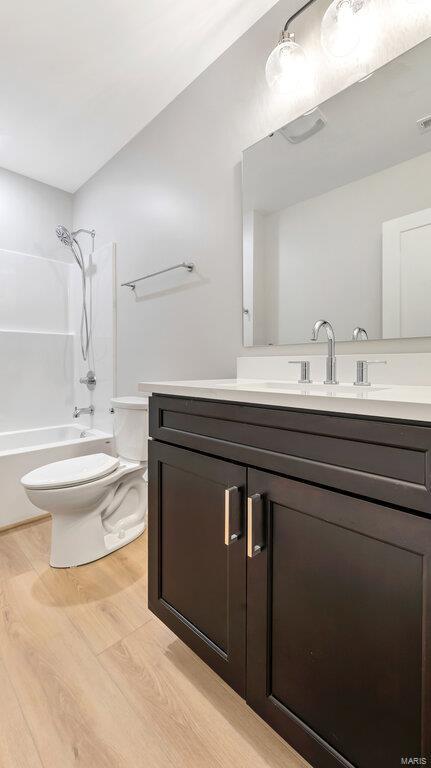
(89,678)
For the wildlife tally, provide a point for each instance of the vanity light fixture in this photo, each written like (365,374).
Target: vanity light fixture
(340,34)
(287,63)
(340,31)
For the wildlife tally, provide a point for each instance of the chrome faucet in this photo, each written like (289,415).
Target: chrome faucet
(331,362)
(359,334)
(78,411)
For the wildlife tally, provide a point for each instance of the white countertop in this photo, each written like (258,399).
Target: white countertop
(400,402)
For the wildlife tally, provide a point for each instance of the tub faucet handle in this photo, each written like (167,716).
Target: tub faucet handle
(79,411)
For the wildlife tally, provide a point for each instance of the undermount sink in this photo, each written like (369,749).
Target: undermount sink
(329,389)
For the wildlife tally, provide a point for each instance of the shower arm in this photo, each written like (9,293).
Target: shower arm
(91,232)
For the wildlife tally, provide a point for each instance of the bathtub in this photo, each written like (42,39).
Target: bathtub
(25,450)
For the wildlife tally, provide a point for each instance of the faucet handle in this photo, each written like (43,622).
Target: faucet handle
(89,380)
(305,370)
(362,371)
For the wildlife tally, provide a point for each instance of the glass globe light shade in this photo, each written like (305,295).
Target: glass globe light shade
(285,66)
(341,27)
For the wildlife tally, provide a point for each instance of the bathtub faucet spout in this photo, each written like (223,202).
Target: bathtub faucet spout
(78,411)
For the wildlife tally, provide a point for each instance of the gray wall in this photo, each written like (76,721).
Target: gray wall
(174,193)
(29,213)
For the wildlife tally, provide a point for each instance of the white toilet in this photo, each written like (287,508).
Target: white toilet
(98,503)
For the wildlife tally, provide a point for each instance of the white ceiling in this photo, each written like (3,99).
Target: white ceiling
(79,78)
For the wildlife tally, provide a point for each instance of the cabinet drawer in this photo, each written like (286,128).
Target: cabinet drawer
(376,458)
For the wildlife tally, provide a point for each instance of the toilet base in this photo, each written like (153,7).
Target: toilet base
(113,541)
(110,517)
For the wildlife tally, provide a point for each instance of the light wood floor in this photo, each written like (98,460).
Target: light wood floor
(88,677)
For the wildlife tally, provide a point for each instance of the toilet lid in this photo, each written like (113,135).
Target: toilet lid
(130,403)
(61,474)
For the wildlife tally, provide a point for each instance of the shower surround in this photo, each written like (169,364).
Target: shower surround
(40,350)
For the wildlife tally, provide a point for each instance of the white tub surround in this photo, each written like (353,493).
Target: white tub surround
(36,342)
(24,450)
(40,315)
(271,381)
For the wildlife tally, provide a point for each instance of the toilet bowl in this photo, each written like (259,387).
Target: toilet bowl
(98,503)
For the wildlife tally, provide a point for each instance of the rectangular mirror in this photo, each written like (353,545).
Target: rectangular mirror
(337,214)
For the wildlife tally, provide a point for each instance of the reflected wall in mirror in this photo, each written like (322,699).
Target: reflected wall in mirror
(337,213)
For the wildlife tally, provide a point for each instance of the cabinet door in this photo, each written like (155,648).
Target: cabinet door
(338,624)
(197,556)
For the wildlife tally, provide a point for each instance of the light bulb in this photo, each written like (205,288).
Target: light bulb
(341,27)
(285,66)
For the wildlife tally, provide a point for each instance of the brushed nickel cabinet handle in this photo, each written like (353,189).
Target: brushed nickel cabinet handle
(255,528)
(229,495)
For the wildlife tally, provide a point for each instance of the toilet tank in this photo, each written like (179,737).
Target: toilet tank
(131,427)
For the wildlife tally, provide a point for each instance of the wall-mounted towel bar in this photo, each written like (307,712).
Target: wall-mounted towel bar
(132,283)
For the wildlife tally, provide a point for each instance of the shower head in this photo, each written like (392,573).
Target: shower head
(64,235)
(67,238)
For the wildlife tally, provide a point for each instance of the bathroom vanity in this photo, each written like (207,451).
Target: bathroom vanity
(290,522)
(290,548)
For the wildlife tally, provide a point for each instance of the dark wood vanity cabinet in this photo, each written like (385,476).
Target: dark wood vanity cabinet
(313,603)
(335,604)
(197,584)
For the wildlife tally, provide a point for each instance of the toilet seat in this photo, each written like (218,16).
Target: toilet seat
(71,472)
